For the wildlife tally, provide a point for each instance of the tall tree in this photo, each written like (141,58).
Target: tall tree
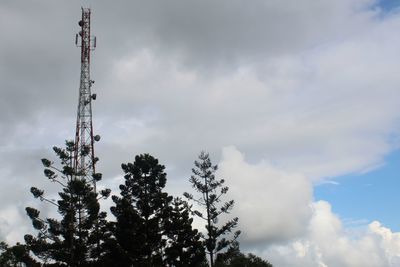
(74,239)
(184,247)
(211,190)
(151,229)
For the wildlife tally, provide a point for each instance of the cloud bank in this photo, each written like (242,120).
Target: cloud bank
(284,94)
(327,243)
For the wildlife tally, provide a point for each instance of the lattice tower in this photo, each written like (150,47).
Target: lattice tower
(84,158)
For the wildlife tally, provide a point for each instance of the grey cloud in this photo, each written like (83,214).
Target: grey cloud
(210,34)
(40,67)
(309,88)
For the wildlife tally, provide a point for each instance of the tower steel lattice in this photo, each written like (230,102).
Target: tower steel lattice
(84,158)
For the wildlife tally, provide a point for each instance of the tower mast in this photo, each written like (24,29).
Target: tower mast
(84,159)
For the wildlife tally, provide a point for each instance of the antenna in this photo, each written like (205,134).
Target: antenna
(84,159)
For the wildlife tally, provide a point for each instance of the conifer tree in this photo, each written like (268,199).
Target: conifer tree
(17,255)
(210,191)
(74,239)
(150,227)
(234,258)
(184,247)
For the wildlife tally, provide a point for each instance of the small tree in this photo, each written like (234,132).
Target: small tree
(234,258)
(75,239)
(211,190)
(151,229)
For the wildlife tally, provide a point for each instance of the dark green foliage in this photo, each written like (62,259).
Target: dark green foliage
(139,212)
(234,258)
(211,190)
(36,192)
(184,247)
(75,239)
(17,255)
(151,228)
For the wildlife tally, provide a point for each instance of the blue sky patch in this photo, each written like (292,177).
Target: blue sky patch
(389,5)
(370,196)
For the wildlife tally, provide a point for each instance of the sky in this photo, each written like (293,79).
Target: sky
(296,101)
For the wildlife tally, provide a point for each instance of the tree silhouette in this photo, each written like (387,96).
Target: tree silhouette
(234,258)
(151,228)
(210,192)
(75,238)
(17,255)
(184,247)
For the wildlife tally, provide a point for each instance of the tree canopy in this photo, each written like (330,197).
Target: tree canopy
(210,192)
(149,228)
(73,239)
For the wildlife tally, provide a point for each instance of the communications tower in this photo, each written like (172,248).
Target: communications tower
(84,159)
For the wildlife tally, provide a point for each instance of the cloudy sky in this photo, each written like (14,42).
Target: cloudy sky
(296,100)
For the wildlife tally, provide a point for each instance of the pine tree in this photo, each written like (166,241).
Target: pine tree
(15,256)
(234,258)
(184,247)
(75,238)
(150,227)
(211,190)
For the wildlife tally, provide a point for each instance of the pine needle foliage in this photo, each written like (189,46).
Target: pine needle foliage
(151,228)
(73,239)
(234,258)
(210,192)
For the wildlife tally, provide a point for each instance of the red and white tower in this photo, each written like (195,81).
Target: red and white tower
(84,158)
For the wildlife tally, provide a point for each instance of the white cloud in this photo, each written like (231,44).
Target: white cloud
(328,243)
(272,205)
(276,211)
(389,241)
(14,223)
